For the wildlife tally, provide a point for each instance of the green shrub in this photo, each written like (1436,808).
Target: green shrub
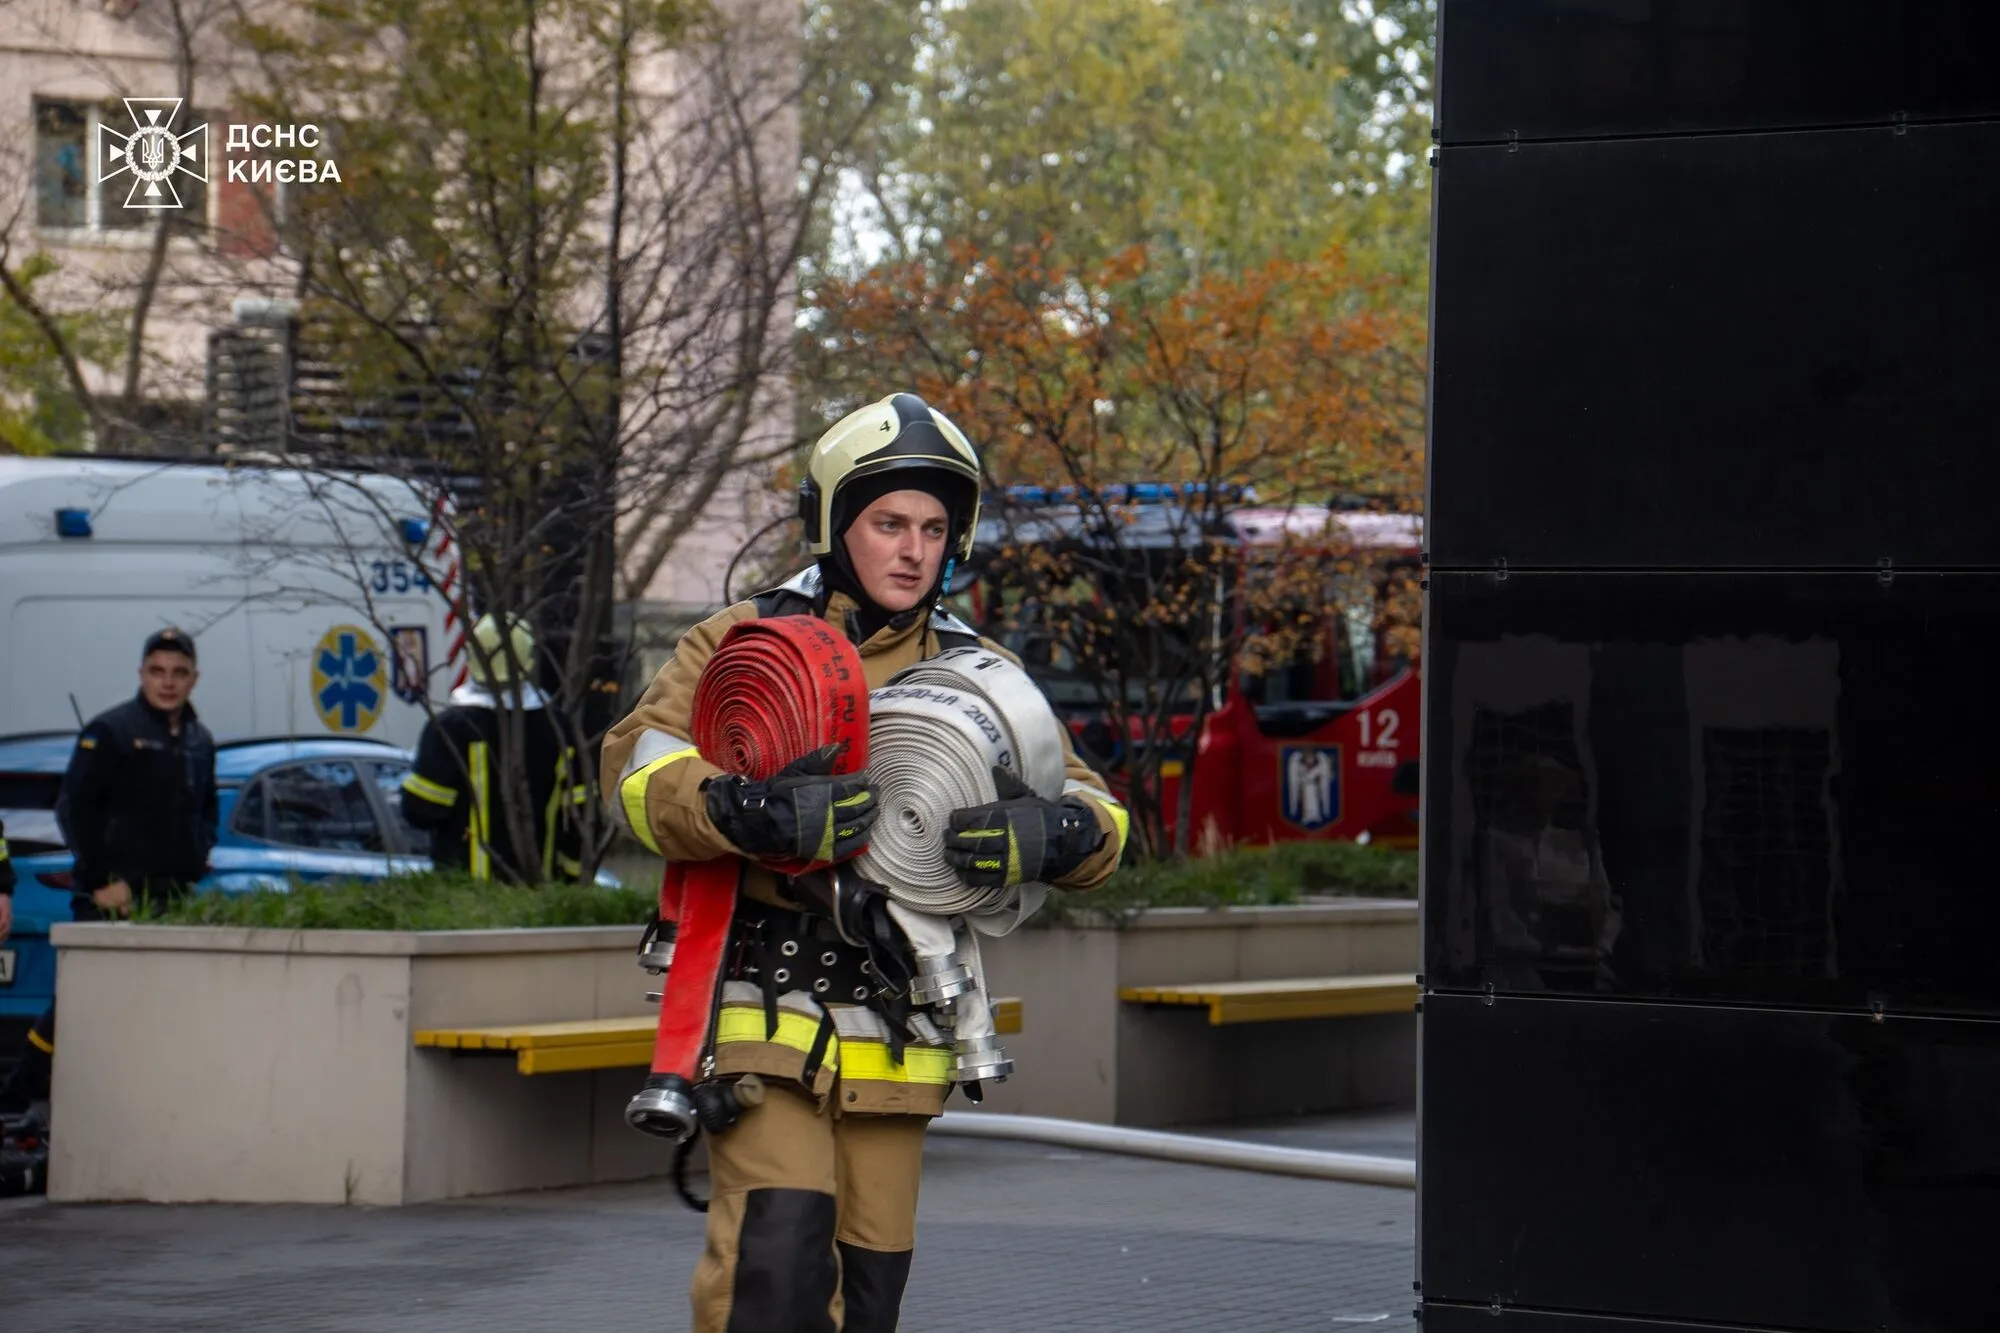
(440,900)
(432,900)
(1244,877)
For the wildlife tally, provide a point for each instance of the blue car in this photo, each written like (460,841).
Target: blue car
(287,809)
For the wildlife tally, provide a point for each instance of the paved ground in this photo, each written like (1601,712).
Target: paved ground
(1014,1238)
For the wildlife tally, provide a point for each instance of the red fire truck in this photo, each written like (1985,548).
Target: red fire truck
(1322,745)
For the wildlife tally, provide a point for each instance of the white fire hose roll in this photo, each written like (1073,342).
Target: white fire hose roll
(936,732)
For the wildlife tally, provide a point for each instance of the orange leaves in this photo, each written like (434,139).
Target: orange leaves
(1297,377)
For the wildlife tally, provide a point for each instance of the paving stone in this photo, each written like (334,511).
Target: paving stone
(1013,1238)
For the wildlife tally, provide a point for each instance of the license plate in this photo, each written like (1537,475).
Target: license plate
(6,967)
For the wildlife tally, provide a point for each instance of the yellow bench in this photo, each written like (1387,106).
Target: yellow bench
(594,1043)
(1301,997)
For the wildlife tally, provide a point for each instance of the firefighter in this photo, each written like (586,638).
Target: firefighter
(812,1217)
(28,1082)
(459,788)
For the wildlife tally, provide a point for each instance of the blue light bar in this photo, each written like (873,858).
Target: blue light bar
(72,522)
(415,530)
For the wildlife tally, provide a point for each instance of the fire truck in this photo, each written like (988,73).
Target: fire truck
(1322,744)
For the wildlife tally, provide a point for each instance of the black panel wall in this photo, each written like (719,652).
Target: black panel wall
(1711,1032)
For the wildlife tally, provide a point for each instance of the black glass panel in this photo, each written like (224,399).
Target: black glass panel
(1758,788)
(1482,1319)
(1575,68)
(1784,1170)
(1745,350)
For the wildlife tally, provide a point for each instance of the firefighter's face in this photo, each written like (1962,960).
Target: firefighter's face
(167,679)
(897,547)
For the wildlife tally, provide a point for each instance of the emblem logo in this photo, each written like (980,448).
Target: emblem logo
(412,661)
(153,153)
(1309,781)
(347,679)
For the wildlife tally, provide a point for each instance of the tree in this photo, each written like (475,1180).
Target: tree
(554,284)
(1218,136)
(1299,378)
(82,360)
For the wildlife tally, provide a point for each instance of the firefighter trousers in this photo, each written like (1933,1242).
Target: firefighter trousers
(811,1219)
(29,1083)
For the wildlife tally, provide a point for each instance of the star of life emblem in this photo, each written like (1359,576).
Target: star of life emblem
(153,153)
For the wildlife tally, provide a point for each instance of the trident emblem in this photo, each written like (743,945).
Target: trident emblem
(152,152)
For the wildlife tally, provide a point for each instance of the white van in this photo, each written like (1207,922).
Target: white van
(309,595)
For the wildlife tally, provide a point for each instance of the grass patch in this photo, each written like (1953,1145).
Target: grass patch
(435,900)
(1243,877)
(428,901)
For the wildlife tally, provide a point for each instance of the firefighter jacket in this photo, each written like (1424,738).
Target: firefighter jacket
(653,778)
(138,801)
(459,790)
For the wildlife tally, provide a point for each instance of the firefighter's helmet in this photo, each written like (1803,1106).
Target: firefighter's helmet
(901,432)
(501,646)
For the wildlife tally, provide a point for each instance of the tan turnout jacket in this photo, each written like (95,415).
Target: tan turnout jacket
(652,777)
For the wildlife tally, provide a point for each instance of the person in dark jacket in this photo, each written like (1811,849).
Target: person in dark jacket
(459,788)
(138,809)
(138,801)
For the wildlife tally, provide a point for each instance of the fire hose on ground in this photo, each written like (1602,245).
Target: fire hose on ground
(1355,1168)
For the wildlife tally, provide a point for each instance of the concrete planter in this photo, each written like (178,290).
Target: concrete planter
(1085,1055)
(204,1063)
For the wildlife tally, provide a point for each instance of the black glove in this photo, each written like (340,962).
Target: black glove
(859,909)
(1021,838)
(805,813)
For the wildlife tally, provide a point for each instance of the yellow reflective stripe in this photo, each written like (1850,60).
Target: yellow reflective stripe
(632,798)
(41,1043)
(854,1059)
(3,849)
(1121,822)
(795,1029)
(482,860)
(435,792)
(870,1060)
(552,812)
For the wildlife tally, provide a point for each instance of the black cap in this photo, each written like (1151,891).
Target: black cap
(169,640)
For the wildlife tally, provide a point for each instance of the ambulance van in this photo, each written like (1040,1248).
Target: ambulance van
(312,596)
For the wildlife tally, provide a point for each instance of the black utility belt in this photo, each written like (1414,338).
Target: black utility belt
(782,949)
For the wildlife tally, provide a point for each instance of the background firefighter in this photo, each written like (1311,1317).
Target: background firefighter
(813,1215)
(458,788)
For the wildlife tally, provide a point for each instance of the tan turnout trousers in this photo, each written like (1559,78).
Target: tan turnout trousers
(812,1218)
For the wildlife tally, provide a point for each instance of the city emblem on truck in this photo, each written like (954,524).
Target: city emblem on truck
(348,685)
(412,662)
(1309,785)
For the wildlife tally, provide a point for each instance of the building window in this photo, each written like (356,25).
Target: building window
(70,144)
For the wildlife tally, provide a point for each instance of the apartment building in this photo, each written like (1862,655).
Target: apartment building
(114,156)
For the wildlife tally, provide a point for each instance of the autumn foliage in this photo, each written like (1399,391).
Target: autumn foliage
(1297,383)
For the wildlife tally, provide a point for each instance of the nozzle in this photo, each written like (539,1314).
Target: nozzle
(939,979)
(664,1108)
(980,1059)
(656,947)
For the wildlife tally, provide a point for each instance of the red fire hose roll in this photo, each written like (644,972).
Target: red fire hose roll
(775,691)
